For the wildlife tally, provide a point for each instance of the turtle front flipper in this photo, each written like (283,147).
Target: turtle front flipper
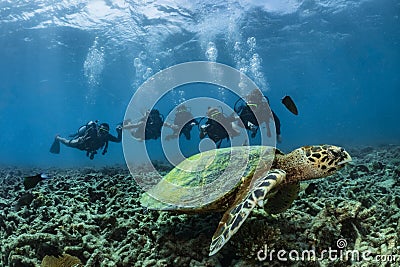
(283,198)
(240,210)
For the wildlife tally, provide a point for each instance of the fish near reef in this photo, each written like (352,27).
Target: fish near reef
(32,181)
(288,102)
(25,200)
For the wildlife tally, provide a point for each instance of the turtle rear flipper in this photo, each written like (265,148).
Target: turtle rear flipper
(240,210)
(283,198)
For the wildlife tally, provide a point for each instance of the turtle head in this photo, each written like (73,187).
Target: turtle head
(312,162)
(325,160)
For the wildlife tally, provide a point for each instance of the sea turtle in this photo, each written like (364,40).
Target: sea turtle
(266,176)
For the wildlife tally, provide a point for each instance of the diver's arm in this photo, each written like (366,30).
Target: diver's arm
(127,124)
(170,125)
(268,131)
(203,130)
(116,139)
(131,126)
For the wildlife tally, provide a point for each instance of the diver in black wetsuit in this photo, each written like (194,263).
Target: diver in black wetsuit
(183,123)
(90,138)
(148,127)
(257,108)
(218,126)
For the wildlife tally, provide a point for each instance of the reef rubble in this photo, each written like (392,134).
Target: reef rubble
(93,218)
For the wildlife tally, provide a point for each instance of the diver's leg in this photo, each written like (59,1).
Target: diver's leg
(186,131)
(70,143)
(187,134)
(63,140)
(218,143)
(277,127)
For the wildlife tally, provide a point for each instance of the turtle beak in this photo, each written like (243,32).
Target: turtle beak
(344,157)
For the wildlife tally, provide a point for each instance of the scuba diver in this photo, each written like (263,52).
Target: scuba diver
(183,123)
(257,107)
(148,127)
(90,138)
(218,126)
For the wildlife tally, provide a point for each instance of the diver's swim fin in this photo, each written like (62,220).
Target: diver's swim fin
(55,147)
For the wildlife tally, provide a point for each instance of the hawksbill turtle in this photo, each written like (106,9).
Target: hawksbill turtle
(273,178)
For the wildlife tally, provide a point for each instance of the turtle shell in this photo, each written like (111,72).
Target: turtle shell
(208,180)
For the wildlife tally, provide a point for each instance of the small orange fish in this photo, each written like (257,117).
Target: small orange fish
(290,105)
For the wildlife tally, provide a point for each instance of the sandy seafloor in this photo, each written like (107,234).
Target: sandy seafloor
(95,215)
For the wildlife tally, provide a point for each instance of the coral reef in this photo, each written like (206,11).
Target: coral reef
(94,216)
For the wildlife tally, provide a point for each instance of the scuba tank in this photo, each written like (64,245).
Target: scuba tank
(90,126)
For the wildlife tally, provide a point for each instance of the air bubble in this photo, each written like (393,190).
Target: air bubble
(255,62)
(137,62)
(236,47)
(251,42)
(143,55)
(212,52)
(93,68)
(148,73)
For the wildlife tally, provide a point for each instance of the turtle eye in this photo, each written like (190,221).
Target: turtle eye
(333,153)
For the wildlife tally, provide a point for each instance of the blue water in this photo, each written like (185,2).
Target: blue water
(62,64)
